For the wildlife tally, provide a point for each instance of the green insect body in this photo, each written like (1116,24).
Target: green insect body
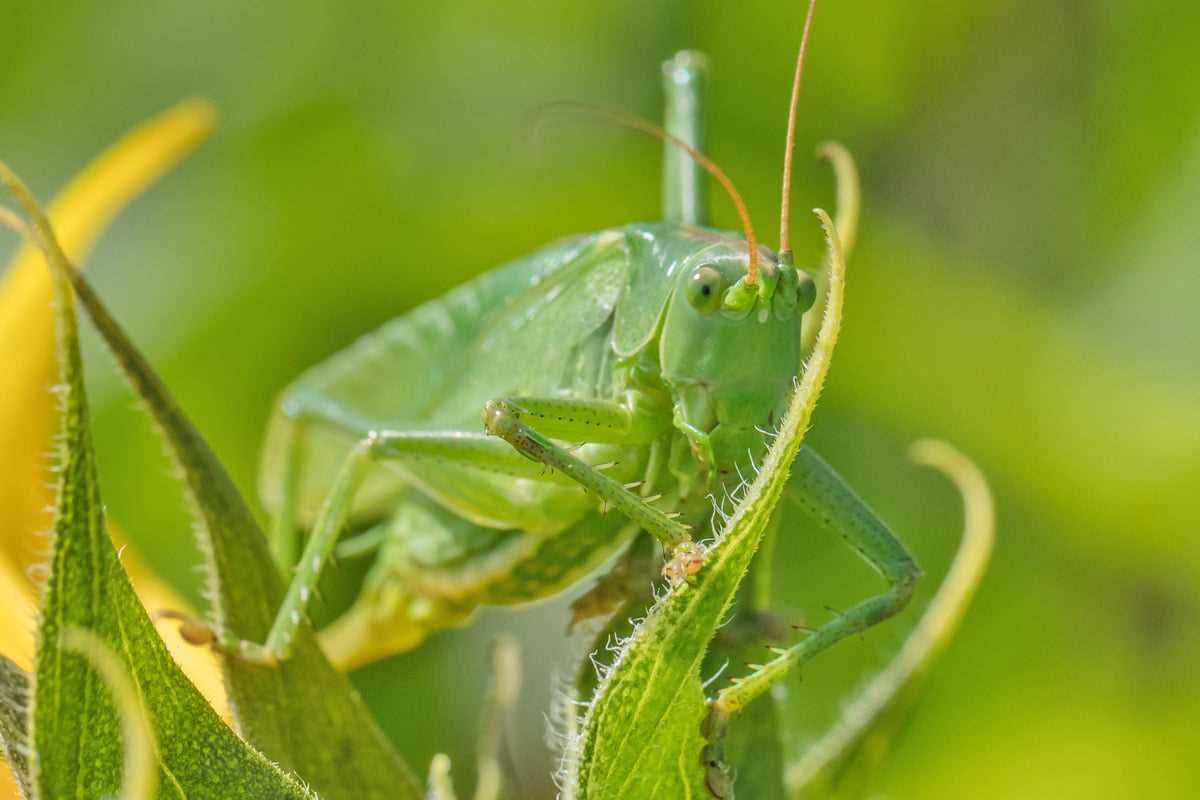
(604,344)
(494,445)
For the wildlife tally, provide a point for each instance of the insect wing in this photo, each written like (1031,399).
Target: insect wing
(655,252)
(511,331)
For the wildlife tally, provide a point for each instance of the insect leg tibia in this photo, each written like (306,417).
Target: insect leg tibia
(284,534)
(318,551)
(503,419)
(829,500)
(858,618)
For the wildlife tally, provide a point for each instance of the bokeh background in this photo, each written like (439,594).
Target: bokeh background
(1025,286)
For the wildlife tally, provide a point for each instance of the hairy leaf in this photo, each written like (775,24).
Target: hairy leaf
(14,722)
(80,212)
(641,734)
(139,774)
(303,713)
(74,728)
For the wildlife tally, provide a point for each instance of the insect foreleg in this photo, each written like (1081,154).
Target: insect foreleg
(823,493)
(503,418)
(637,420)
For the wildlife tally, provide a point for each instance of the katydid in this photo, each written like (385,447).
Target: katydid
(624,379)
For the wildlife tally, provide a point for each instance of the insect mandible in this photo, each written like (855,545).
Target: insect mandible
(623,378)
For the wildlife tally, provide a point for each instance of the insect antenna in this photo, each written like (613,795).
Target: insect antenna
(624,119)
(785,249)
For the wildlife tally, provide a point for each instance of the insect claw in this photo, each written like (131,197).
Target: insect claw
(192,630)
(632,485)
(606,465)
(652,498)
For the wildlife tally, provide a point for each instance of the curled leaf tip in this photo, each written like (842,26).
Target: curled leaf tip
(140,779)
(845,175)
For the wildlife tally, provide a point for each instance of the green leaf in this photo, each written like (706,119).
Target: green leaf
(304,713)
(14,722)
(74,728)
(641,734)
(838,764)
(139,775)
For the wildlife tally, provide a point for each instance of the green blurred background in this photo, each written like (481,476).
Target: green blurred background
(1025,286)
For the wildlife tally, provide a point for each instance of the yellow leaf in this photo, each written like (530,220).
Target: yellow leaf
(80,214)
(8,787)
(17,620)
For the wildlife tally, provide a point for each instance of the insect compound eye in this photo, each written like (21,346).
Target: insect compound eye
(705,289)
(806,292)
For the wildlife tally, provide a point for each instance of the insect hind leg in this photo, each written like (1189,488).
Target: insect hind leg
(301,411)
(823,493)
(330,521)
(283,536)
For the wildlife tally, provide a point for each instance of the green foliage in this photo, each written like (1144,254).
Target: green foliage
(1063,357)
(305,715)
(139,773)
(649,730)
(74,728)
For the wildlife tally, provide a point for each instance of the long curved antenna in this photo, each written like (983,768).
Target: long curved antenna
(784,203)
(633,122)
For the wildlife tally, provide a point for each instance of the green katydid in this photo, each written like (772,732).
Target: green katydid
(625,379)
